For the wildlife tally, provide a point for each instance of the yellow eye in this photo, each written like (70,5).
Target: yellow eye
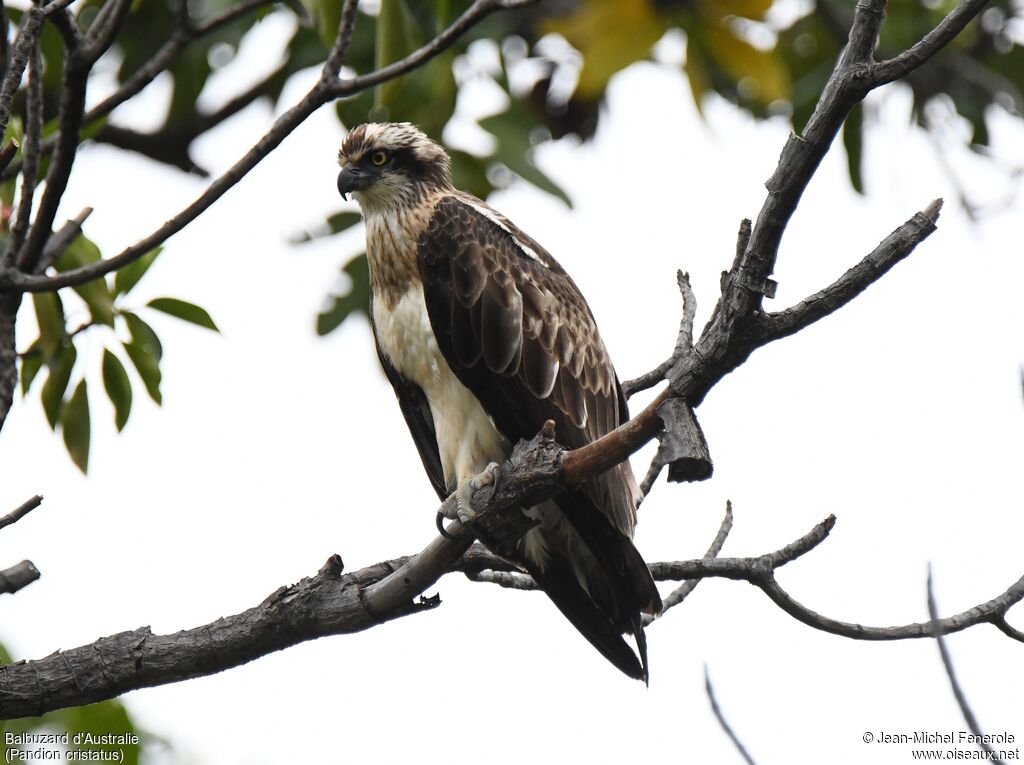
(379,158)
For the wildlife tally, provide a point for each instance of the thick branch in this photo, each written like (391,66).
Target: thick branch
(331,604)
(326,604)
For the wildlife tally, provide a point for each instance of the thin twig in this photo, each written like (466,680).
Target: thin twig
(103,32)
(684,341)
(473,15)
(346,26)
(680,594)
(953,24)
(8,151)
(21,511)
(653,471)
(1007,629)
(74,77)
(958,694)
(30,155)
(62,239)
(23,45)
(722,722)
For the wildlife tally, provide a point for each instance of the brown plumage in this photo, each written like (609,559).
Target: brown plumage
(485,337)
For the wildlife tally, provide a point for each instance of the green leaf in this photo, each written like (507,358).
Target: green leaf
(762,70)
(74,424)
(95,293)
(425,96)
(326,16)
(143,334)
(147,367)
(107,718)
(31,363)
(56,384)
(336,223)
(394,40)
(129,276)
(853,142)
(512,129)
(357,299)
(50,318)
(118,387)
(184,311)
(145,351)
(611,35)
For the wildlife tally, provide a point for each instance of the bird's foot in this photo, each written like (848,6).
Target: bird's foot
(459,504)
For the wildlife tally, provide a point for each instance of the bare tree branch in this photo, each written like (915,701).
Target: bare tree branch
(900,66)
(61,239)
(761,572)
(680,594)
(325,604)
(1007,629)
(473,15)
(890,251)
(181,37)
(23,45)
(684,341)
(958,694)
(30,152)
(722,721)
(21,511)
(17,576)
(331,604)
(105,27)
(77,64)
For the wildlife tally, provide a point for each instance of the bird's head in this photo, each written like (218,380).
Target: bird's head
(390,164)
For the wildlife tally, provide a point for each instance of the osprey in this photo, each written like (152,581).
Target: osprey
(484,337)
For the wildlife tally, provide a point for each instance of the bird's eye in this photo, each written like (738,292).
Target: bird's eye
(380,158)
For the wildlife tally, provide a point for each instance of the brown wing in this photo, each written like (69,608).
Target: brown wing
(516,331)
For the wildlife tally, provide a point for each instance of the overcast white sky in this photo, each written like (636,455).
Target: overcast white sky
(275,448)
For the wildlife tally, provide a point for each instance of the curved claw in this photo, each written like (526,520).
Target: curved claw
(440,525)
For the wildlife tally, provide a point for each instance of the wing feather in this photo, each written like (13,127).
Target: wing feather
(518,333)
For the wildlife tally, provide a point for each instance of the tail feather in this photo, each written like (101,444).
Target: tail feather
(559,582)
(595,576)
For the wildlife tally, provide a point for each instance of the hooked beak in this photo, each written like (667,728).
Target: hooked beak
(351,179)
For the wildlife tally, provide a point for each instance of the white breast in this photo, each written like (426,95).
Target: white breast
(466,437)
